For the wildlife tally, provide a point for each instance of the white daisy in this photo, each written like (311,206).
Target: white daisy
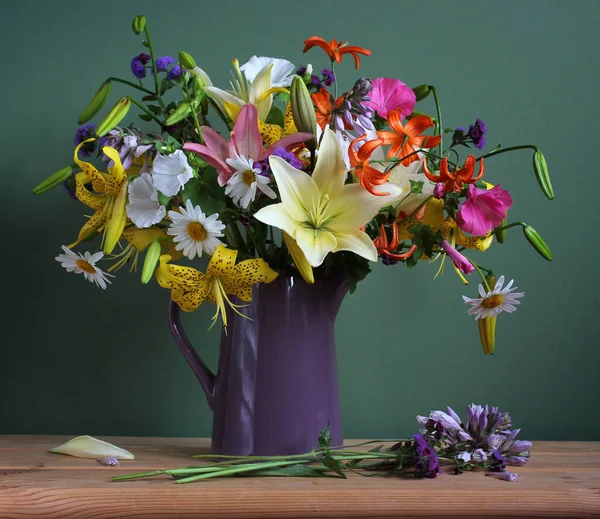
(245,181)
(171,172)
(282,72)
(497,300)
(194,232)
(143,208)
(84,264)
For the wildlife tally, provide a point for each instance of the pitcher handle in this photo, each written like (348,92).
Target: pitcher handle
(204,375)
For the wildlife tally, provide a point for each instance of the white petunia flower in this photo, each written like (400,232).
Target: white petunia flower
(194,232)
(282,72)
(143,208)
(84,264)
(171,172)
(243,184)
(492,303)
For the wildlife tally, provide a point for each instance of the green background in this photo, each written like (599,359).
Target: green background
(78,360)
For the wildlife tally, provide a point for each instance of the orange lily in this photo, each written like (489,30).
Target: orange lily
(336,49)
(385,248)
(368,176)
(404,139)
(325,108)
(454,180)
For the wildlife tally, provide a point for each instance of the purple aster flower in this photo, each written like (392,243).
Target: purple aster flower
(300,71)
(505,476)
(163,63)
(315,81)
(138,68)
(425,460)
(174,73)
(70,187)
(328,76)
(110,460)
(144,58)
(85,132)
(289,157)
(477,133)
(387,261)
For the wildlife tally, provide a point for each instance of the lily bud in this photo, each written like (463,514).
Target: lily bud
(151,261)
(421,92)
(186,60)
(180,113)
(501,234)
(537,242)
(303,112)
(302,264)
(138,24)
(96,103)
(53,180)
(487,334)
(116,224)
(114,117)
(541,172)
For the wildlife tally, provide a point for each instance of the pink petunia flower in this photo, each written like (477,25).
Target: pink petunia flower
(460,262)
(389,94)
(483,210)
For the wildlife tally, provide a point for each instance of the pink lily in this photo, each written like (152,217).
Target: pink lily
(388,95)
(483,210)
(244,141)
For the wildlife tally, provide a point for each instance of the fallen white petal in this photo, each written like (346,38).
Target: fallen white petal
(89,447)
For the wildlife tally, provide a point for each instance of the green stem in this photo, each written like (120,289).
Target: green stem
(514,224)
(148,112)
(512,148)
(335,82)
(194,114)
(439,118)
(129,83)
(151,49)
(239,458)
(485,283)
(258,244)
(137,476)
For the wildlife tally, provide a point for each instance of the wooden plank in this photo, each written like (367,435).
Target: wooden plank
(561,480)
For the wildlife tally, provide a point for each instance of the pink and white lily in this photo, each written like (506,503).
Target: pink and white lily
(244,143)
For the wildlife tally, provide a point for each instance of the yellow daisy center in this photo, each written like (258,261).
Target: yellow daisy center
(248,177)
(84,265)
(492,301)
(197,231)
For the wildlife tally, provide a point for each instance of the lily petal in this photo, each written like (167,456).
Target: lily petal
(329,171)
(247,134)
(358,242)
(315,244)
(89,447)
(275,215)
(230,103)
(260,85)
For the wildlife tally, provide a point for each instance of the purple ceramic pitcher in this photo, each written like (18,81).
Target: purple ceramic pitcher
(276,386)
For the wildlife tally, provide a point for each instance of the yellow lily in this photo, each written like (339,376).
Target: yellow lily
(259,93)
(190,287)
(108,197)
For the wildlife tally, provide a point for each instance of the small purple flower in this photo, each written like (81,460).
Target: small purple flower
(328,76)
(438,190)
(174,73)
(425,460)
(289,157)
(163,63)
(138,68)
(111,461)
(69,186)
(246,220)
(300,71)
(144,58)
(497,461)
(387,261)
(505,476)
(85,132)
(477,133)
(315,81)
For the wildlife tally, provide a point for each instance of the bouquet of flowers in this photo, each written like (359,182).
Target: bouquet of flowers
(302,174)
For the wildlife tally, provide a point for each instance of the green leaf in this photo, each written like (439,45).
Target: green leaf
(416,186)
(163,86)
(145,117)
(275,116)
(163,199)
(205,192)
(156,110)
(325,438)
(292,471)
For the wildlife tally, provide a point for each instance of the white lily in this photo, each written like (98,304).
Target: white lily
(282,72)
(321,212)
(258,92)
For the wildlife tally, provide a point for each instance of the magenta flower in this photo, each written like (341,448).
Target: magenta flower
(460,262)
(245,142)
(483,210)
(388,95)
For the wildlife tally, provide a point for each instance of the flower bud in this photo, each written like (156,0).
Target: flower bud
(421,92)
(299,258)
(138,24)
(114,117)
(180,113)
(151,261)
(53,180)
(541,172)
(303,111)
(500,232)
(96,103)
(487,334)
(186,60)
(118,218)
(537,242)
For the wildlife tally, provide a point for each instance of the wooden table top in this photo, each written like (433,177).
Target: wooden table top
(562,479)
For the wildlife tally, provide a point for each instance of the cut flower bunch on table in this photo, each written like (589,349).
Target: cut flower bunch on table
(485,440)
(285,169)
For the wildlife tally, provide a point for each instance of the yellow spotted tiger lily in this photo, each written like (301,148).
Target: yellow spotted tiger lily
(107,197)
(223,278)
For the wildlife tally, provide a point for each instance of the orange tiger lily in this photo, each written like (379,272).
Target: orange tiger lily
(454,180)
(325,108)
(368,176)
(404,139)
(385,248)
(336,49)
